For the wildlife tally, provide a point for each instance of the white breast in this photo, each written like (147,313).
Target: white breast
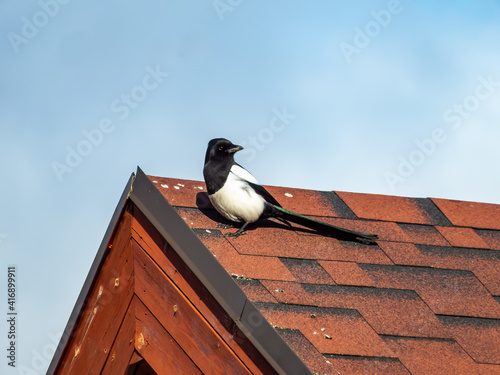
(236,200)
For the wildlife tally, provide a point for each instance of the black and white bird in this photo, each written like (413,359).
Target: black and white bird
(237,195)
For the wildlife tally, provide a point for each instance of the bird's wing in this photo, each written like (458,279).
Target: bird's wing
(243,174)
(265,194)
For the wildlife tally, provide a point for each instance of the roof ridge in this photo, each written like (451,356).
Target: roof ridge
(339,191)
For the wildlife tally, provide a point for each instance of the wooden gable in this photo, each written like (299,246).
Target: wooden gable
(146,312)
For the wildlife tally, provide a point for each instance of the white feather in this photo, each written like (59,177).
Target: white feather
(237,200)
(243,174)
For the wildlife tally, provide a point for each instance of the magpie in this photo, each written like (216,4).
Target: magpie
(237,195)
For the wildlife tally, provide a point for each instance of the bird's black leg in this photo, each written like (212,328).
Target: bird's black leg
(239,232)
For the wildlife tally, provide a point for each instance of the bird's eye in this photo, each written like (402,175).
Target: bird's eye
(221,148)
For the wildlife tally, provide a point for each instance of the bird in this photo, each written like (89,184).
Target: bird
(237,196)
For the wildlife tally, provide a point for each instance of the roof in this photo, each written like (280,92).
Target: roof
(424,299)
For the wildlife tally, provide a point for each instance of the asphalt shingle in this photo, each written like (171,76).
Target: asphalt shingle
(423,300)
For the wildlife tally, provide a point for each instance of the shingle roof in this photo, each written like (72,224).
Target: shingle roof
(424,300)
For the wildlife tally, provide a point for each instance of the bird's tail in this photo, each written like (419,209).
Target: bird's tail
(340,233)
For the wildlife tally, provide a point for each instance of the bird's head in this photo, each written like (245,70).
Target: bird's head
(220,149)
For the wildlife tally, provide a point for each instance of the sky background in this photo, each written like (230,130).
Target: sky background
(387,97)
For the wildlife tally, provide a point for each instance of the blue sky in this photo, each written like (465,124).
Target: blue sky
(389,97)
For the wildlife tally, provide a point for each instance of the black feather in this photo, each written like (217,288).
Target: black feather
(340,233)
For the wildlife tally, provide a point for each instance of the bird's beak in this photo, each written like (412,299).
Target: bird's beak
(234,149)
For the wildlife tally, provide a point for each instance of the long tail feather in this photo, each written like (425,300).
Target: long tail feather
(319,226)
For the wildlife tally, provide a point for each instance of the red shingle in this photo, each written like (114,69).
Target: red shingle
(306,351)
(462,237)
(492,238)
(386,208)
(257,268)
(339,331)
(247,266)
(255,291)
(305,202)
(402,253)
(388,311)
(281,242)
(485,369)
(286,243)
(347,273)
(470,214)
(287,292)
(447,292)
(307,271)
(423,356)
(423,234)
(485,264)
(353,365)
(196,219)
(178,192)
(480,338)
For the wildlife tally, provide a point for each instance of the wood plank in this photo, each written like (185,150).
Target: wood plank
(157,347)
(104,309)
(144,233)
(181,319)
(124,346)
(136,357)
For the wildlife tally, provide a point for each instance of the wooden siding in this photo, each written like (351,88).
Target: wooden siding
(146,304)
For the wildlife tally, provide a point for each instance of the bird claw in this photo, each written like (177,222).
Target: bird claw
(236,234)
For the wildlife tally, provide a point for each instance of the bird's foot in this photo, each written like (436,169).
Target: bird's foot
(236,234)
(224,226)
